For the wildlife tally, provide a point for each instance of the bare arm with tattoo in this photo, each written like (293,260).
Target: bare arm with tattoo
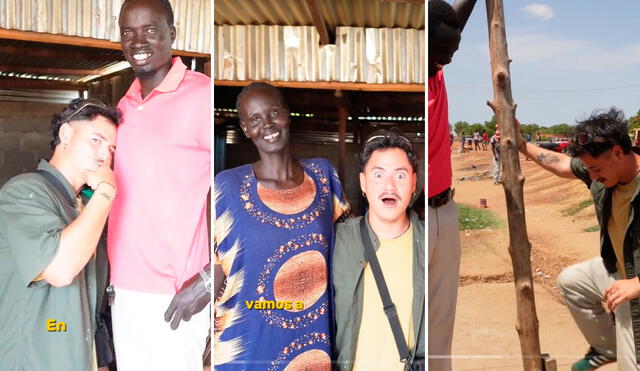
(557,163)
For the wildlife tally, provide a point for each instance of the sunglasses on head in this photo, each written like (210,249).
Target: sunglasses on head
(586,138)
(87,103)
(386,136)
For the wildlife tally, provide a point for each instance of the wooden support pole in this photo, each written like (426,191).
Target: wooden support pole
(513,180)
(318,21)
(343,114)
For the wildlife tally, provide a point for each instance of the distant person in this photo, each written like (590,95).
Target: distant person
(462,144)
(495,150)
(476,141)
(601,155)
(485,140)
(528,137)
(445,25)
(538,137)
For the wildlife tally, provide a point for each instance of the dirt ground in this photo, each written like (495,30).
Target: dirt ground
(485,337)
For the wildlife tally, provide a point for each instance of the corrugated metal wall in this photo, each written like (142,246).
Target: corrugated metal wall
(98,19)
(360,13)
(293,53)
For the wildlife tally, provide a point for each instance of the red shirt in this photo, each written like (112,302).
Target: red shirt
(439,137)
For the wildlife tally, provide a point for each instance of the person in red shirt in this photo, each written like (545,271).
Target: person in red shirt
(485,140)
(445,26)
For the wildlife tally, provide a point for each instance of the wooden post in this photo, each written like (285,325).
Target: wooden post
(343,114)
(513,180)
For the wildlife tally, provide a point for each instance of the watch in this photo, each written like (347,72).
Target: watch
(206,280)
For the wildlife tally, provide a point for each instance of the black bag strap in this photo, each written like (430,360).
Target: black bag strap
(55,182)
(388,306)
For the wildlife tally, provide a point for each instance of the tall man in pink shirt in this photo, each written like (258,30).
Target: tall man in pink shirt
(445,25)
(158,236)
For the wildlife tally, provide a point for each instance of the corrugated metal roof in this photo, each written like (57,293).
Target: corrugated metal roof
(98,19)
(293,53)
(32,60)
(354,13)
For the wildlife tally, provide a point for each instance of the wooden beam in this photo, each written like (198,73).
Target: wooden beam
(318,21)
(48,38)
(49,71)
(331,85)
(17,83)
(56,53)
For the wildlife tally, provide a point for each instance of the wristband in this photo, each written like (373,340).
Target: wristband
(206,280)
(115,191)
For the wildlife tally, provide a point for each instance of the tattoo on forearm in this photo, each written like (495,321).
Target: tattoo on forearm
(547,159)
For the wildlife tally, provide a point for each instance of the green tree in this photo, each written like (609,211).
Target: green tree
(490,126)
(634,123)
(476,127)
(461,127)
(561,129)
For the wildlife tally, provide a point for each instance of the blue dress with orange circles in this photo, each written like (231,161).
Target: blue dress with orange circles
(274,247)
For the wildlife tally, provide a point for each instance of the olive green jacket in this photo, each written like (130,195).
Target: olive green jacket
(42,327)
(348,265)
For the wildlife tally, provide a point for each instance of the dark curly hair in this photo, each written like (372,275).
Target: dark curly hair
(82,109)
(260,85)
(441,12)
(166,5)
(388,138)
(601,131)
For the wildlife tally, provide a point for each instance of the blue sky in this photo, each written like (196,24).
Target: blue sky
(569,58)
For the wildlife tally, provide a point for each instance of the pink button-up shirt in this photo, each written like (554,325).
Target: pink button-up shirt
(158,235)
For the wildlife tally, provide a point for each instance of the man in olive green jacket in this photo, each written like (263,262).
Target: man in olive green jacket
(363,337)
(50,272)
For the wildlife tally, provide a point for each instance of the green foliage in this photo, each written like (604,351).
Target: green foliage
(477,127)
(490,126)
(532,129)
(576,208)
(634,123)
(461,127)
(594,228)
(472,218)
(561,129)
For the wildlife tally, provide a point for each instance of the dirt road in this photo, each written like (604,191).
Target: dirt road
(485,336)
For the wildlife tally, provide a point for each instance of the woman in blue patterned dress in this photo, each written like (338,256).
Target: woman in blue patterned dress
(273,238)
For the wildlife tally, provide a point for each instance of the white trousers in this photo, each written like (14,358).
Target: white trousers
(582,287)
(444,274)
(144,341)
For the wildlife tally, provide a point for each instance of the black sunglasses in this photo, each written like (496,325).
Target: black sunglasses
(88,103)
(586,138)
(377,137)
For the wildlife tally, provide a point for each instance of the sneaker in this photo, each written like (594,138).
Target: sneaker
(591,361)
